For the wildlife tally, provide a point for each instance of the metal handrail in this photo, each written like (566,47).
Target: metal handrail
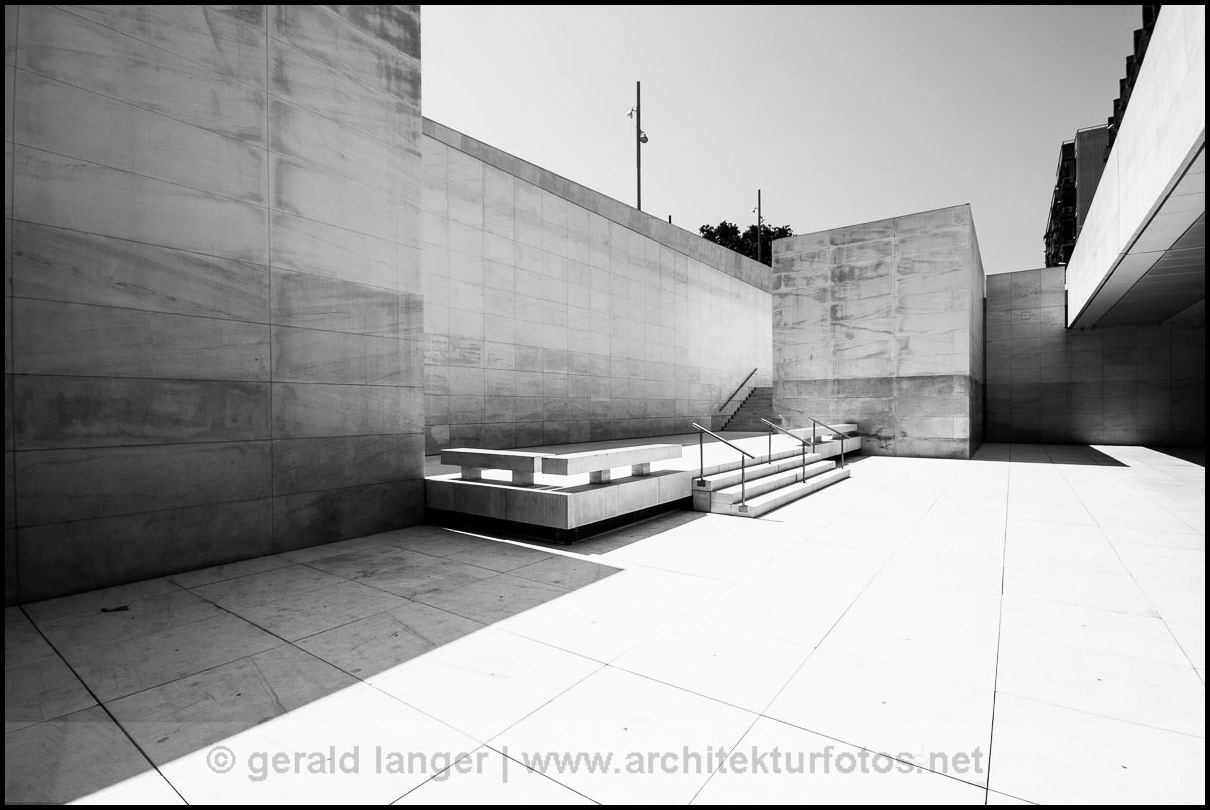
(801,441)
(727,401)
(783,430)
(743,467)
(815,423)
(829,427)
(724,441)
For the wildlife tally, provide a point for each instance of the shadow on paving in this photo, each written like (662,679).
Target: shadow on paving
(1194,455)
(623,536)
(1072,454)
(186,661)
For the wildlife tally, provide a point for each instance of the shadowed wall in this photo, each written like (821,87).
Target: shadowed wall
(1112,385)
(213,289)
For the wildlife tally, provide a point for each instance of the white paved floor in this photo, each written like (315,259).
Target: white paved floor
(1027,626)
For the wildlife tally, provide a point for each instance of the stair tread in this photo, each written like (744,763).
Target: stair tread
(797,490)
(755,488)
(837,473)
(782,460)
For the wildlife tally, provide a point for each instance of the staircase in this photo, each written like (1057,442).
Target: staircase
(758,403)
(772,479)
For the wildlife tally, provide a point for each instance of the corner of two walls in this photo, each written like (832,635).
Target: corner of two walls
(213,302)
(1137,385)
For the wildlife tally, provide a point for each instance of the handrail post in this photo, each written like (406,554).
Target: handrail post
(743,481)
(701,458)
(842,451)
(770,445)
(814,440)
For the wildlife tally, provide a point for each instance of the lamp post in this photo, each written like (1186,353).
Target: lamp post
(759,221)
(640,138)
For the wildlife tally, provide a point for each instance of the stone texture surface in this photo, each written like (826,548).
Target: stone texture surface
(213,299)
(554,314)
(881,324)
(1113,385)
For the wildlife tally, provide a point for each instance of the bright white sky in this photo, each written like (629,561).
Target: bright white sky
(841,115)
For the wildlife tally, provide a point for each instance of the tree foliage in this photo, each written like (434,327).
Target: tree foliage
(729,235)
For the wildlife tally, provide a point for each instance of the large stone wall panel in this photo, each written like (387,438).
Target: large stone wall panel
(56,486)
(66,47)
(62,265)
(72,412)
(314,409)
(216,344)
(396,26)
(63,119)
(228,40)
(881,324)
(309,518)
(335,305)
(71,193)
(338,462)
(312,140)
(60,558)
(305,191)
(309,355)
(333,252)
(51,337)
(380,50)
(310,83)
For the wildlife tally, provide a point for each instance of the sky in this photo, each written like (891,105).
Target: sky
(840,115)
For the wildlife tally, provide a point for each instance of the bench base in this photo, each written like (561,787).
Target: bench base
(548,534)
(553,506)
(519,479)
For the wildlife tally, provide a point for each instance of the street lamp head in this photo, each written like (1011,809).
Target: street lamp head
(642,137)
(631,113)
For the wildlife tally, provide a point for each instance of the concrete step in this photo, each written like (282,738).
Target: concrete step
(753,411)
(781,461)
(755,488)
(762,504)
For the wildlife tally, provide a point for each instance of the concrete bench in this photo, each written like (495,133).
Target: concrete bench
(598,463)
(824,434)
(473,462)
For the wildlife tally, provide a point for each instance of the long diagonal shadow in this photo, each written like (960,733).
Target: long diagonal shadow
(122,694)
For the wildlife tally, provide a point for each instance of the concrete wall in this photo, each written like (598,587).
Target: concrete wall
(1162,130)
(554,314)
(880,324)
(1115,385)
(213,301)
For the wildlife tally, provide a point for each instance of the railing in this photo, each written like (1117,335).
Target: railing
(800,440)
(743,465)
(737,390)
(816,424)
